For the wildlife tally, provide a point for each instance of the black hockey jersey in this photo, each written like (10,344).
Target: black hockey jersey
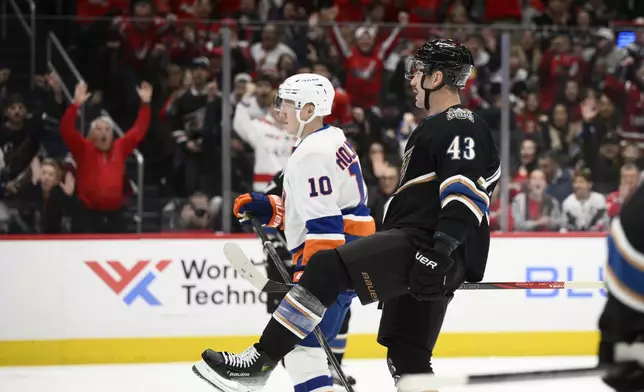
(450,168)
(624,274)
(189,115)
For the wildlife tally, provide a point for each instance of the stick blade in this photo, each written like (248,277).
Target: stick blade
(242,264)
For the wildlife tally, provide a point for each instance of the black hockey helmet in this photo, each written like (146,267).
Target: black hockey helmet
(453,59)
(450,57)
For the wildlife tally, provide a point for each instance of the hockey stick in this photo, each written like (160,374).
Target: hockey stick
(551,285)
(242,264)
(421,382)
(623,353)
(268,245)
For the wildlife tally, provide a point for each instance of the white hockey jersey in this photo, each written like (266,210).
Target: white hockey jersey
(324,196)
(587,215)
(271,142)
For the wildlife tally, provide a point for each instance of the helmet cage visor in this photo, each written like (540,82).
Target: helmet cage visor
(279,102)
(415,66)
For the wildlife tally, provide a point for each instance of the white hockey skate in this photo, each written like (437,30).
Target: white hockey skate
(244,372)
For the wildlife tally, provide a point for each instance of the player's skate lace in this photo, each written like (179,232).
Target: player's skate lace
(244,359)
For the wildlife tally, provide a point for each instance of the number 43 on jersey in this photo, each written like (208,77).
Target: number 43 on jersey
(462,148)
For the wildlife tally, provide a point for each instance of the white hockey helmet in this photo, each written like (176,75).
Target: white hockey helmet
(307,88)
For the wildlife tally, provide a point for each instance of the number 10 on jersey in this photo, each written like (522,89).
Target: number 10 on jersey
(322,185)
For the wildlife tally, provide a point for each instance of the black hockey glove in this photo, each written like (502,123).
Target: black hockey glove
(431,273)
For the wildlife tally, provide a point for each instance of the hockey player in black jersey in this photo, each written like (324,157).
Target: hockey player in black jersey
(622,322)
(437,236)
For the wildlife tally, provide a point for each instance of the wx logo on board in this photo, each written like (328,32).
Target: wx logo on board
(126,276)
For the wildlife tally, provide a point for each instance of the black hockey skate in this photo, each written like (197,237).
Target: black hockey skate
(244,372)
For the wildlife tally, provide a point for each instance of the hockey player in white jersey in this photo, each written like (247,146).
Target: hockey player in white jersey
(323,206)
(268,137)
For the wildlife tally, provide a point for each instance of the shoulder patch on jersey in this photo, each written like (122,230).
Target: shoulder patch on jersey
(405,163)
(460,114)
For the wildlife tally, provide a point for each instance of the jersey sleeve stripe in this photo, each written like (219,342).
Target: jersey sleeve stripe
(314,245)
(622,291)
(359,228)
(418,180)
(488,181)
(467,202)
(337,237)
(626,250)
(325,225)
(359,211)
(463,186)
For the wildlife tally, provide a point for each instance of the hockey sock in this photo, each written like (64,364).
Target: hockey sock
(303,307)
(339,344)
(295,318)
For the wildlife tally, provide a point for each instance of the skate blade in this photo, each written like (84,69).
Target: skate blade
(204,372)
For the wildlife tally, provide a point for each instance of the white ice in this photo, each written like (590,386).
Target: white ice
(371,375)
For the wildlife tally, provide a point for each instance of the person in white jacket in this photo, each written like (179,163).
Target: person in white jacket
(268,137)
(584,209)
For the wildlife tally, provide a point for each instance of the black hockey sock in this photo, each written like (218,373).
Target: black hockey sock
(303,307)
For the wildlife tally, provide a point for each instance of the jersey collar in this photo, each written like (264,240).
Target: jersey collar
(299,141)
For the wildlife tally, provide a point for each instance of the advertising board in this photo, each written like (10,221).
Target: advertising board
(96,300)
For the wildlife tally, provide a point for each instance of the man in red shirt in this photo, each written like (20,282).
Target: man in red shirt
(364,61)
(100,162)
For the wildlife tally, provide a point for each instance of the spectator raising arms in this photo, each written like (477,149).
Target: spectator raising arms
(268,137)
(364,62)
(100,162)
(47,202)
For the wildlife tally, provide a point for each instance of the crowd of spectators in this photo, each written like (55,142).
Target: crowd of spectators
(155,67)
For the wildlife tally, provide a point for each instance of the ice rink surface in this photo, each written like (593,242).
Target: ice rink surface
(371,375)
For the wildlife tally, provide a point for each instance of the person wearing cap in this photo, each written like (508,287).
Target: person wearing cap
(584,209)
(272,144)
(256,103)
(607,49)
(188,121)
(239,87)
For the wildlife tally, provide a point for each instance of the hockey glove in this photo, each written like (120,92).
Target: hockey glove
(431,273)
(269,210)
